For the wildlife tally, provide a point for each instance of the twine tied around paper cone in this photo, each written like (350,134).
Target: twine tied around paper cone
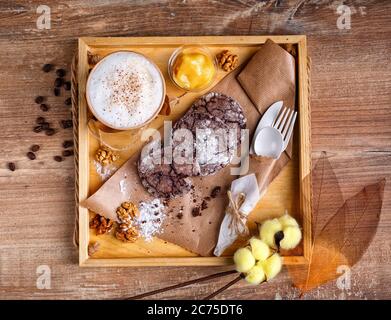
(238,217)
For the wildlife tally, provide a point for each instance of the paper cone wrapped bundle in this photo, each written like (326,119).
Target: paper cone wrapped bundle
(269,76)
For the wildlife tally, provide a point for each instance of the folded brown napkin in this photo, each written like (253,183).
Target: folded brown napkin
(269,76)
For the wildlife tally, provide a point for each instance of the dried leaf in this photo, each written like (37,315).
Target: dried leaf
(362,219)
(326,194)
(340,236)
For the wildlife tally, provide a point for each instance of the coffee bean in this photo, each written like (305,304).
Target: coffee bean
(65,124)
(50,131)
(68,101)
(44,107)
(40,120)
(31,155)
(58,82)
(67,144)
(67,153)
(39,99)
(47,67)
(60,72)
(11,166)
(45,125)
(57,158)
(35,148)
(67,85)
(37,129)
(56,92)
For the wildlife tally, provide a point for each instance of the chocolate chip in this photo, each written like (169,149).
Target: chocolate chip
(67,144)
(56,92)
(60,72)
(44,107)
(58,82)
(68,102)
(40,120)
(179,215)
(67,85)
(215,192)
(57,158)
(34,148)
(45,125)
(196,212)
(11,166)
(39,100)
(67,153)
(65,124)
(47,67)
(31,155)
(50,131)
(278,236)
(204,205)
(37,129)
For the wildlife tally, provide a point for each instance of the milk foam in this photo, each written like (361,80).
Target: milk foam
(125,90)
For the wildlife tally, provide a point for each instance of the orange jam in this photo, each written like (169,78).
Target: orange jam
(193,70)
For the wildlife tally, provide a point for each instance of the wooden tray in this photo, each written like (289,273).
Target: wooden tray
(288,191)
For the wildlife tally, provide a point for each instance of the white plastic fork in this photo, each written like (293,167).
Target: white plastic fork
(285,123)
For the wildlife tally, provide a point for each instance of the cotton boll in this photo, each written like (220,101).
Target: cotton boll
(244,260)
(272,266)
(256,275)
(259,249)
(292,237)
(287,221)
(267,231)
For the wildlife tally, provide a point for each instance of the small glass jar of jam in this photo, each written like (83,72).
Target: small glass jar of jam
(192,68)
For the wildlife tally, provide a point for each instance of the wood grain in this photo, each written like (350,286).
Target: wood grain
(351,121)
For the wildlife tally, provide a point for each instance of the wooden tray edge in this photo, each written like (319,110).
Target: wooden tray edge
(81,230)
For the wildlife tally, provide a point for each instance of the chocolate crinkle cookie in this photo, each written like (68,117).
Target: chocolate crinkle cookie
(159,178)
(223,107)
(214,120)
(208,151)
(204,141)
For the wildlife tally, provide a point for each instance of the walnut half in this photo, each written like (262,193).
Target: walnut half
(101,224)
(227,60)
(127,233)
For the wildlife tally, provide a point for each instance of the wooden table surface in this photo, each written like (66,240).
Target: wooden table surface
(351,121)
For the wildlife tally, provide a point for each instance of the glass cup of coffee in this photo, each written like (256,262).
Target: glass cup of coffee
(125,90)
